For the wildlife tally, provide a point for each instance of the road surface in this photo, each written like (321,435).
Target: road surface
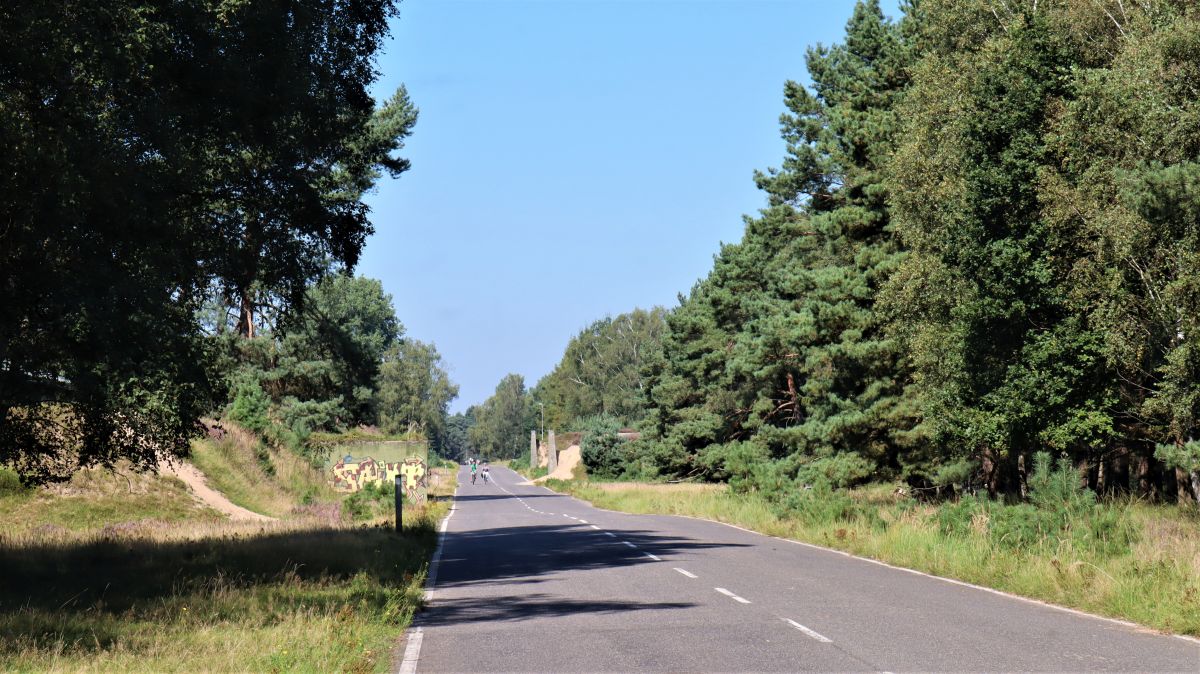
(532,581)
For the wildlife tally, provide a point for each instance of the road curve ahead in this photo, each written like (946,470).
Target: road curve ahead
(532,581)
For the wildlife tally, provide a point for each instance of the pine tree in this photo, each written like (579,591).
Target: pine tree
(778,353)
(1004,362)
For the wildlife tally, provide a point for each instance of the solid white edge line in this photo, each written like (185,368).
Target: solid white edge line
(435,561)
(685,572)
(812,633)
(731,595)
(412,652)
(1141,629)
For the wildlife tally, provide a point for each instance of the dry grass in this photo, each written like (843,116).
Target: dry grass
(307,594)
(96,498)
(125,572)
(659,487)
(267,481)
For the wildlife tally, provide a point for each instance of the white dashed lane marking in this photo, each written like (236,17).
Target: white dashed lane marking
(629,544)
(596,527)
(609,533)
(811,633)
(655,558)
(687,573)
(731,595)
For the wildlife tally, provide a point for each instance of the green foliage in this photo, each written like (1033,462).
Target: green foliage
(1059,511)
(503,421)
(335,346)
(456,442)
(603,451)
(143,172)
(1185,457)
(779,346)
(371,502)
(603,370)
(250,406)
(414,392)
(10,482)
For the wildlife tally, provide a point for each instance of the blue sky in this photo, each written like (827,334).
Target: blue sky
(572,160)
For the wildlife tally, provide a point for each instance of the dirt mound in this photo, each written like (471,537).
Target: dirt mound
(194,479)
(568,459)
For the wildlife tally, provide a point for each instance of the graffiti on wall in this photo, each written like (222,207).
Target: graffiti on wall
(350,474)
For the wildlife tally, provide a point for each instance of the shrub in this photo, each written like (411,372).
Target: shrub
(10,482)
(1059,510)
(842,470)
(251,406)
(601,448)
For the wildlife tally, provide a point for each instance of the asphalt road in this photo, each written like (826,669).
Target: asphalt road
(532,581)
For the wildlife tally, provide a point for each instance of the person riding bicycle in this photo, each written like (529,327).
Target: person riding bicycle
(474,467)
(486,477)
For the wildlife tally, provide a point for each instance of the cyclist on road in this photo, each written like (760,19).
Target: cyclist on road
(474,467)
(486,478)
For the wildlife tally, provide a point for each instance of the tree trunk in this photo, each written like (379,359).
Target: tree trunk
(1147,477)
(1023,476)
(245,325)
(991,473)
(1118,482)
(1183,486)
(794,397)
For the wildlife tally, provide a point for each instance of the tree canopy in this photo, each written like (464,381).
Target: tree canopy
(157,154)
(602,370)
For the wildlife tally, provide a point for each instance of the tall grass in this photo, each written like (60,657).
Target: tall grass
(257,477)
(1123,559)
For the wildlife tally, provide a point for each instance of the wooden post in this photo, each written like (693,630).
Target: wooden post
(399,504)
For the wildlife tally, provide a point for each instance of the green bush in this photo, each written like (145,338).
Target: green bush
(519,464)
(841,470)
(371,501)
(1059,510)
(820,504)
(603,451)
(251,405)
(954,518)
(10,482)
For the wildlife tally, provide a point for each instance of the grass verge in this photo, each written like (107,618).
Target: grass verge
(1125,559)
(96,498)
(309,593)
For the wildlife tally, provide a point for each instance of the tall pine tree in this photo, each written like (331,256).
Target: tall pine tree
(778,353)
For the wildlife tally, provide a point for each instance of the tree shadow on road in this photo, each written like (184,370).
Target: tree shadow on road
(533,553)
(529,606)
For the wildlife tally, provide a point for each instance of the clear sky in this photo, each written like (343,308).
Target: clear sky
(574,159)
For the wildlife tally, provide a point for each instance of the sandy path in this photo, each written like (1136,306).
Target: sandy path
(210,497)
(568,459)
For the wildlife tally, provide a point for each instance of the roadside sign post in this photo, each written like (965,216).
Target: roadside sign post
(399,504)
